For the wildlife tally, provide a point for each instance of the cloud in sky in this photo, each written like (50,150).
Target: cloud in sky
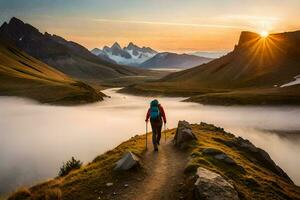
(162,24)
(170,23)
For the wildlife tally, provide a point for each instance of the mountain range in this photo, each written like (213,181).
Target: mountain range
(66,56)
(209,54)
(129,55)
(146,57)
(172,60)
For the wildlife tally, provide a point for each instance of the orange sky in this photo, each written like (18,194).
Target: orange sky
(165,25)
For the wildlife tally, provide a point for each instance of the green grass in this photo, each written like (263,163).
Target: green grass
(262,96)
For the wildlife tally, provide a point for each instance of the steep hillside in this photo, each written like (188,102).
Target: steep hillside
(170,173)
(66,56)
(23,75)
(173,60)
(255,62)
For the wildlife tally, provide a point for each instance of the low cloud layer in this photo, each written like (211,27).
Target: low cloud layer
(36,139)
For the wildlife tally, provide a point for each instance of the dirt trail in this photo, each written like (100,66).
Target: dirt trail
(164,174)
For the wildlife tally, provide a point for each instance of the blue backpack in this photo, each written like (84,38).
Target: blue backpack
(154,110)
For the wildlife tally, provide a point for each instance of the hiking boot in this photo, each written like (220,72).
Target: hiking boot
(156,149)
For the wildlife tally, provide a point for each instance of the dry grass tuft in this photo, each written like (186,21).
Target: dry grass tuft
(21,194)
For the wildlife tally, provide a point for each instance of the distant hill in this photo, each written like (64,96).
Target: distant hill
(130,55)
(173,60)
(25,76)
(66,56)
(209,54)
(254,62)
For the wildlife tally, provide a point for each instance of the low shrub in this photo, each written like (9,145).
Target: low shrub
(70,165)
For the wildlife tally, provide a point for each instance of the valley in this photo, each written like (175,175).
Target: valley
(57,133)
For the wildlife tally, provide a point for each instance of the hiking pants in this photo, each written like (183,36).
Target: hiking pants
(156,132)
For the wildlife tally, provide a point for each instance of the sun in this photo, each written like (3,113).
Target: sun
(264,34)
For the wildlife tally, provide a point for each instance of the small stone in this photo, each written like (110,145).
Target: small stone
(126,185)
(114,193)
(99,197)
(211,151)
(225,158)
(109,184)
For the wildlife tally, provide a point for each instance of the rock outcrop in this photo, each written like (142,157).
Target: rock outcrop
(128,161)
(256,155)
(212,186)
(219,155)
(184,134)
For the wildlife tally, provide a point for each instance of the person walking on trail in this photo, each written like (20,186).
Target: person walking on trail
(157,116)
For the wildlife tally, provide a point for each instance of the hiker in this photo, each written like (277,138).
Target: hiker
(157,115)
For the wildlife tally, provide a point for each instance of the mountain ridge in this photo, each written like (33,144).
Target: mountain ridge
(174,60)
(255,61)
(128,55)
(69,57)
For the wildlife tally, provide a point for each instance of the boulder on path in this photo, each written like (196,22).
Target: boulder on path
(183,134)
(212,186)
(128,161)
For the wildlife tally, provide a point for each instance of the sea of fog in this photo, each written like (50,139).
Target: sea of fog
(36,139)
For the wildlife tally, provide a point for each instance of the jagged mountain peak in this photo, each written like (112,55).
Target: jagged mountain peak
(17,27)
(116,45)
(130,55)
(15,20)
(131,46)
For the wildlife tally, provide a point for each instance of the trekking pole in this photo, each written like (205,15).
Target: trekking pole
(146,134)
(165,133)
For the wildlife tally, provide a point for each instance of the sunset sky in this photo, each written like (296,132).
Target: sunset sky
(165,25)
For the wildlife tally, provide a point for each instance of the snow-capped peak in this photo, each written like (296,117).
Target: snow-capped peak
(129,55)
(116,46)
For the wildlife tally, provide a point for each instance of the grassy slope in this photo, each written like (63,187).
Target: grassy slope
(89,181)
(86,182)
(23,75)
(251,180)
(261,96)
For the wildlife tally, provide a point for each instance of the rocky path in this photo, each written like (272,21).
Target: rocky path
(164,174)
